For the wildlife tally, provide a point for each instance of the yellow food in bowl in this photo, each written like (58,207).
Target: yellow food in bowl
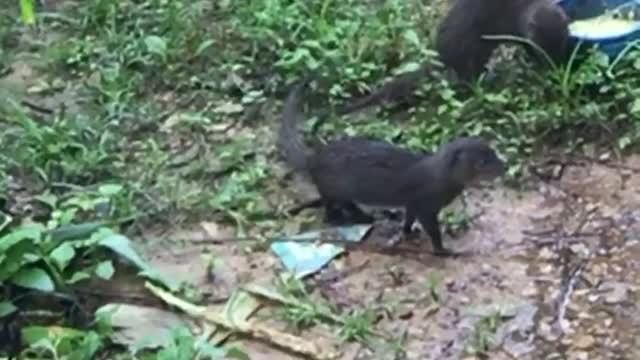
(608,25)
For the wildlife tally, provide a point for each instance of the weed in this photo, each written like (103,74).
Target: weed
(433,283)
(184,345)
(67,150)
(482,338)
(153,82)
(454,220)
(306,312)
(60,343)
(357,326)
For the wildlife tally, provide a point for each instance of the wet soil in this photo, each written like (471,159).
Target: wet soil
(559,261)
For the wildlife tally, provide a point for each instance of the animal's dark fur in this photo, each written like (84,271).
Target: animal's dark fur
(463,51)
(355,170)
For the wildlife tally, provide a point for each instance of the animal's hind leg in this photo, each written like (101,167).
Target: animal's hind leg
(356,214)
(334,213)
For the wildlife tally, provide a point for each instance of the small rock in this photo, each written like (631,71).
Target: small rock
(530,291)
(546,253)
(578,355)
(546,332)
(598,269)
(581,292)
(554,356)
(608,322)
(584,342)
(546,269)
(615,292)
(614,343)
(584,315)
(486,269)
(579,248)
(590,278)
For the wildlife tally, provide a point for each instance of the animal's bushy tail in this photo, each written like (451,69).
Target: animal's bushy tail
(290,140)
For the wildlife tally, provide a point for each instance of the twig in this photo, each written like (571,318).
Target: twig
(36,107)
(568,280)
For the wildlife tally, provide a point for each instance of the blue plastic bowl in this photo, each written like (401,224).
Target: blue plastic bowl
(582,9)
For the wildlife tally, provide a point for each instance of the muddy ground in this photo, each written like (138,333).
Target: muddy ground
(559,259)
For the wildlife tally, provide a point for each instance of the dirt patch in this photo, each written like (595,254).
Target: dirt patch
(566,253)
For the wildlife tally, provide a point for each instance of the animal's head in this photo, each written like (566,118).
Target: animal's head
(547,25)
(471,160)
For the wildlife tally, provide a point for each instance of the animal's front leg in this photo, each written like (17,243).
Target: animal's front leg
(430,223)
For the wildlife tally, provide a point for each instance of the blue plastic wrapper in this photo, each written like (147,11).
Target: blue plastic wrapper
(302,257)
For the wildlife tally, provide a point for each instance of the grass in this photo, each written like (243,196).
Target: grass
(160,111)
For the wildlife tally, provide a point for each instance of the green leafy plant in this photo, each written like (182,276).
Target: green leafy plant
(27,15)
(65,150)
(357,326)
(482,338)
(60,343)
(186,346)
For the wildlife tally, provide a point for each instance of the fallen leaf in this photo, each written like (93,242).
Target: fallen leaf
(141,326)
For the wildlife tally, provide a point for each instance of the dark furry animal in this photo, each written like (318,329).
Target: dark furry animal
(356,170)
(460,42)
(464,52)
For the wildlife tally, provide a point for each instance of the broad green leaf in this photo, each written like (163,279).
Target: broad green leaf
(204,46)
(26,12)
(211,351)
(7,308)
(156,44)
(48,199)
(122,246)
(105,270)
(33,278)
(32,232)
(412,37)
(34,334)
(88,348)
(635,106)
(110,189)
(62,255)
(14,259)
(78,276)
(236,353)
(74,231)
